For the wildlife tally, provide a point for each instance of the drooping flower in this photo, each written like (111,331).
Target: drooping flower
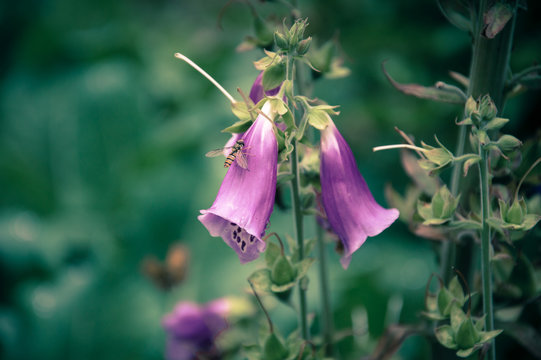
(192,330)
(244,203)
(352,212)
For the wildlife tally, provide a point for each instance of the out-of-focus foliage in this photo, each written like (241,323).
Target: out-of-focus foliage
(102,141)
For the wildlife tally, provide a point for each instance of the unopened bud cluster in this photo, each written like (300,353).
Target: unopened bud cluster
(293,38)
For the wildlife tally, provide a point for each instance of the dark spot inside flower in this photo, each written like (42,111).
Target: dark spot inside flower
(239,229)
(238,239)
(233,224)
(234,234)
(252,238)
(243,245)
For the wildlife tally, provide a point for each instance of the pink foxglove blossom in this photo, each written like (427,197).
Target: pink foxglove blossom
(244,203)
(352,212)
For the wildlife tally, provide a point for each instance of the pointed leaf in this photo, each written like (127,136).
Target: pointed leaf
(456,290)
(273,76)
(489,335)
(458,12)
(304,266)
(442,94)
(496,18)
(261,279)
(272,253)
(238,127)
(446,336)
(464,353)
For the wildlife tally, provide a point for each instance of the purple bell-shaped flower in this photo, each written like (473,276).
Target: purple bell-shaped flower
(351,210)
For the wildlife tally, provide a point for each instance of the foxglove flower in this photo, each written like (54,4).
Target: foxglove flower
(244,203)
(192,329)
(352,212)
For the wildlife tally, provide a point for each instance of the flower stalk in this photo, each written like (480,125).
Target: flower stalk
(486,270)
(490,61)
(297,213)
(326,314)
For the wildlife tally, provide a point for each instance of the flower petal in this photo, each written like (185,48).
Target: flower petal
(350,207)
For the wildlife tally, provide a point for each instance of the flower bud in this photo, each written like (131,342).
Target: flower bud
(515,215)
(445,299)
(281,41)
(487,109)
(273,349)
(471,106)
(282,272)
(508,143)
(467,335)
(304,45)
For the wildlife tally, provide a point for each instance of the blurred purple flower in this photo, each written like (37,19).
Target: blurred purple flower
(192,329)
(351,210)
(245,200)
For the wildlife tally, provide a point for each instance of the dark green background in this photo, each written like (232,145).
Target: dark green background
(102,141)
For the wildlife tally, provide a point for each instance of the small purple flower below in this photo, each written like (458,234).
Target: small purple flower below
(192,330)
(351,210)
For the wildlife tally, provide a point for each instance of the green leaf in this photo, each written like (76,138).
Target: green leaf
(302,127)
(469,162)
(442,94)
(273,76)
(496,18)
(456,290)
(318,118)
(282,271)
(464,353)
(273,349)
(445,301)
(284,154)
(530,221)
(514,214)
(238,127)
(457,12)
(508,143)
(466,224)
(261,279)
(304,266)
(424,210)
(272,253)
(486,336)
(457,316)
(282,288)
(241,111)
(262,31)
(446,336)
(495,124)
(467,335)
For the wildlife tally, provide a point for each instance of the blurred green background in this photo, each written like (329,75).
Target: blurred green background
(102,141)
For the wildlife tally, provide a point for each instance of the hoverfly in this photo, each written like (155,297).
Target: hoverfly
(235,154)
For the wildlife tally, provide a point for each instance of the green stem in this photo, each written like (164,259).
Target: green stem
(325,298)
(490,63)
(297,213)
(486,271)
(448,249)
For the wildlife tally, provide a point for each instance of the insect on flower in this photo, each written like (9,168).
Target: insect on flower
(236,153)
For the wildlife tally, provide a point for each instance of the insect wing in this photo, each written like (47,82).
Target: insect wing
(241,160)
(217,152)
